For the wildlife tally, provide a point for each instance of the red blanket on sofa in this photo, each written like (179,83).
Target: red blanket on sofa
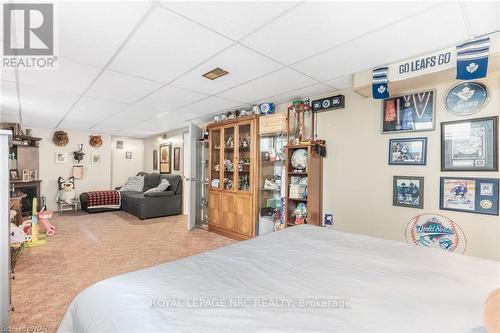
(104,199)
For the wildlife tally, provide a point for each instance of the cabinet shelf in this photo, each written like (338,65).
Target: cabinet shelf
(297,173)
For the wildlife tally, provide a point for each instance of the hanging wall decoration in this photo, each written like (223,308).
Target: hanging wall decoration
(470,145)
(155,159)
(436,231)
(78,154)
(408,151)
(177,158)
(408,113)
(466,98)
(424,64)
(380,87)
(408,192)
(165,158)
(472,59)
(60,138)
(472,195)
(328,103)
(95,141)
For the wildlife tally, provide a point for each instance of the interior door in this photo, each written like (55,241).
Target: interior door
(190,167)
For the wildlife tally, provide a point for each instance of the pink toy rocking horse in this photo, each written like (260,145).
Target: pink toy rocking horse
(44,217)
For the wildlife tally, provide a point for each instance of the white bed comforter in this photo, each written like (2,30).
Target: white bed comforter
(390,287)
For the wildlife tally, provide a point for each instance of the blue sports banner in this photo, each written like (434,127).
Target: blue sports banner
(380,88)
(472,59)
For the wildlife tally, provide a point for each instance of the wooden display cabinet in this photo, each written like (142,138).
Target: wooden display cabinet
(233,171)
(314,174)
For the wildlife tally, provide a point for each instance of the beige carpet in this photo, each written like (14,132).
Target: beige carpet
(90,248)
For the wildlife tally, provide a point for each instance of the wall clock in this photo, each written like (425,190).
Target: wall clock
(466,98)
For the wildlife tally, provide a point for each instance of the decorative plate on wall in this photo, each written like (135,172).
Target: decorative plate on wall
(60,138)
(466,98)
(95,141)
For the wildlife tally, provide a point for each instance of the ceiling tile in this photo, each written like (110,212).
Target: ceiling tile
(80,121)
(206,106)
(341,82)
(482,16)
(97,107)
(270,85)
(167,45)
(121,87)
(326,24)
(71,76)
(44,122)
(242,64)
(9,92)
(91,31)
(232,19)
(9,118)
(306,92)
(44,103)
(170,97)
(436,28)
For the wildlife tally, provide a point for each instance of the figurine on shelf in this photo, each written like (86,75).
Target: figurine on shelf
(228,165)
(216,167)
(228,184)
(244,183)
(245,142)
(300,213)
(229,142)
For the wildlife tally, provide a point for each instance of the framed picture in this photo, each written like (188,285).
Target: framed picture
(165,157)
(96,159)
(128,155)
(471,195)
(78,171)
(466,98)
(408,113)
(408,151)
(14,174)
(26,175)
(33,174)
(155,159)
(470,145)
(119,144)
(177,158)
(61,158)
(408,192)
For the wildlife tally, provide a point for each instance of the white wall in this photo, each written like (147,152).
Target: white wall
(358,179)
(96,177)
(123,167)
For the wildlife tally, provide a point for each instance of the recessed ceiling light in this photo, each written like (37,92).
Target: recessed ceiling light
(215,73)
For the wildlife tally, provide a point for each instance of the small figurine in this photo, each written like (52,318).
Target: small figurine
(300,213)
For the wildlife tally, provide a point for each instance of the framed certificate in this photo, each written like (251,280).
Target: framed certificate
(470,145)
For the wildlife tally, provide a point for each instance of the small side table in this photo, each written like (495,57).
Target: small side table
(63,206)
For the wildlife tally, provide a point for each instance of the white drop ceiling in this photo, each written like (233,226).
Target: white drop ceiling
(134,67)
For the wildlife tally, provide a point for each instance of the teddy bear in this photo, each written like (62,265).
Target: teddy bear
(66,191)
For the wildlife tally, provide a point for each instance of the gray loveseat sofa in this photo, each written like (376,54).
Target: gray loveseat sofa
(156,204)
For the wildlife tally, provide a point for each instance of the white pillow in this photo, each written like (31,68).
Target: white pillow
(133,184)
(162,187)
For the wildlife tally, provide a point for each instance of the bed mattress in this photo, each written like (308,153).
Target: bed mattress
(301,279)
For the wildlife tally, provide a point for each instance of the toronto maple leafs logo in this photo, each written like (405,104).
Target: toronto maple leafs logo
(381,89)
(472,67)
(465,94)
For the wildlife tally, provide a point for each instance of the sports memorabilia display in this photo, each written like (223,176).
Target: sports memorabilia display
(472,195)
(408,113)
(466,98)
(408,151)
(328,103)
(408,192)
(380,86)
(436,231)
(469,145)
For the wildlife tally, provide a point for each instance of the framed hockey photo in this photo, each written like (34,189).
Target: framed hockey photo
(470,145)
(409,113)
(408,151)
(408,192)
(471,195)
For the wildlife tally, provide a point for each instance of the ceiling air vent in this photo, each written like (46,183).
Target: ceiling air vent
(215,73)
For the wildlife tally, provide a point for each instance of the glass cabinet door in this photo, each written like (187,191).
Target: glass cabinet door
(228,159)
(203,182)
(244,157)
(215,159)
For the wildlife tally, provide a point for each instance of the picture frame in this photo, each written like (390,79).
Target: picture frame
(95,159)
(33,175)
(408,151)
(408,191)
(412,112)
(177,158)
(78,171)
(155,159)
(470,145)
(26,175)
(128,155)
(165,158)
(469,195)
(61,157)
(119,144)
(14,174)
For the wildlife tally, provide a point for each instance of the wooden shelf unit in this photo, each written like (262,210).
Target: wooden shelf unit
(314,174)
(233,211)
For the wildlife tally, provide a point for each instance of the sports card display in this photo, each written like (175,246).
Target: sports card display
(473,195)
